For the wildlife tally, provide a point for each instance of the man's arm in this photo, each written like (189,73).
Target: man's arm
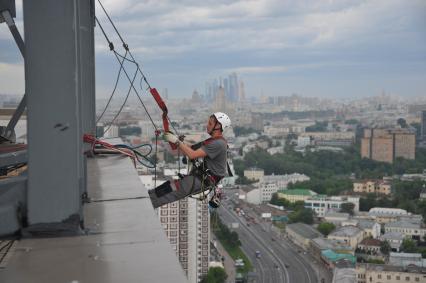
(192,154)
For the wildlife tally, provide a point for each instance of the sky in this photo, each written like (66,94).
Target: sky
(324,48)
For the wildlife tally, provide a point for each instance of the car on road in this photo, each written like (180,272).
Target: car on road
(257,254)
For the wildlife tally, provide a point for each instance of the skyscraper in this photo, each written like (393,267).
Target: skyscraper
(232,94)
(220,100)
(423,125)
(242,93)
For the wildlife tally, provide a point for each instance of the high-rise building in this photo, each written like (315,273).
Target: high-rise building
(423,124)
(387,144)
(232,95)
(241,93)
(220,100)
(187,225)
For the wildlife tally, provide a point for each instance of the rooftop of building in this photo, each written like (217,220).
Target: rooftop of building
(403,224)
(366,223)
(391,268)
(333,198)
(337,214)
(371,242)
(345,231)
(393,236)
(294,192)
(334,257)
(405,255)
(344,275)
(385,211)
(324,244)
(304,230)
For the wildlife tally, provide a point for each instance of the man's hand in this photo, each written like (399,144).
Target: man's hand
(170,137)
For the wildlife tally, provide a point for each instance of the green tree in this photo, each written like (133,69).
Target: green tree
(347,207)
(242,131)
(318,127)
(385,247)
(244,181)
(408,246)
(215,275)
(275,200)
(304,215)
(402,123)
(326,228)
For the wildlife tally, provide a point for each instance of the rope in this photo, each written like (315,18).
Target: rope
(125,100)
(143,78)
(113,92)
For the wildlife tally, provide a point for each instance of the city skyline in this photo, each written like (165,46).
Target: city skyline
(331,49)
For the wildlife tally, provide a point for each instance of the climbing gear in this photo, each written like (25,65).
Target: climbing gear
(214,201)
(163,107)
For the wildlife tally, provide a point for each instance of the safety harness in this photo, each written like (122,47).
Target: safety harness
(209,180)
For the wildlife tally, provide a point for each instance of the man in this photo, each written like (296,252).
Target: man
(201,178)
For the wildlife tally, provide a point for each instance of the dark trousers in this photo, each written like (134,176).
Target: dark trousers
(172,191)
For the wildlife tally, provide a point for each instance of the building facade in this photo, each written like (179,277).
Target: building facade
(351,235)
(296,195)
(387,144)
(369,186)
(187,225)
(254,174)
(379,273)
(322,204)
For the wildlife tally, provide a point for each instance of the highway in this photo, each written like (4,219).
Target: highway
(280,260)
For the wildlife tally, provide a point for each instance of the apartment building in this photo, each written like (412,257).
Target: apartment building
(266,191)
(186,224)
(296,195)
(322,204)
(372,186)
(379,273)
(254,173)
(408,229)
(282,181)
(387,144)
(384,215)
(351,235)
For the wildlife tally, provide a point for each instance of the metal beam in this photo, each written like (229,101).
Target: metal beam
(7,17)
(54,71)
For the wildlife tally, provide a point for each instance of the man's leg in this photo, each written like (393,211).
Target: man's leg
(172,191)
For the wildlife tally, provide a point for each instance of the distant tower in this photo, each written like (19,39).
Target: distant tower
(220,101)
(242,93)
(226,88)
(232,94)
(196,98)
(423,122)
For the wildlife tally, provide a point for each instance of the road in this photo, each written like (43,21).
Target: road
(280,262)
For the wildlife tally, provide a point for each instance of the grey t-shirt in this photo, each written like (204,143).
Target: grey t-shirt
(216,151)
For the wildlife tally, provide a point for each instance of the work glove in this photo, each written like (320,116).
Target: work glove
(170,137)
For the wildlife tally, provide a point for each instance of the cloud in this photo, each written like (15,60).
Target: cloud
(12,79)
(192,37)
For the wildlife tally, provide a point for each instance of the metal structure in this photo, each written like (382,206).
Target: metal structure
(113,234)
(59,78)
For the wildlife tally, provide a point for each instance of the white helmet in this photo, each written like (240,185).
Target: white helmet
(223,119)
